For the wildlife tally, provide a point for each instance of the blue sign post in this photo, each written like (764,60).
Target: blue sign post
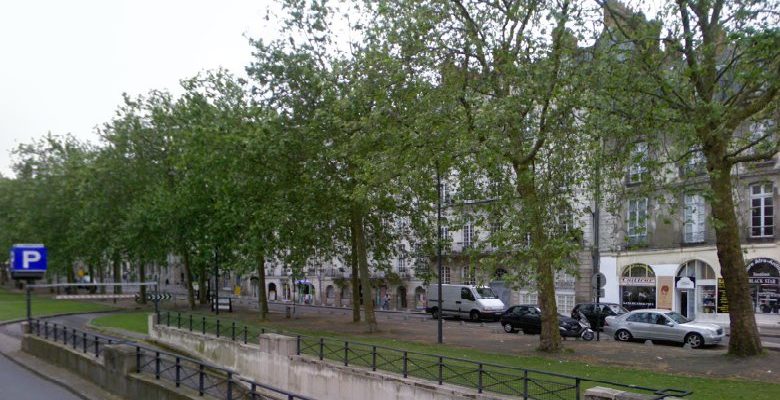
(28,262)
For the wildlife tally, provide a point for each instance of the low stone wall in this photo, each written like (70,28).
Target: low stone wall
(273,361)
(114,371)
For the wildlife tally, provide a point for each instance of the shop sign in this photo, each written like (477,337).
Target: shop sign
(763,260)
(664,292)
(637,281)
(685,282)
(723,300)
(764,281)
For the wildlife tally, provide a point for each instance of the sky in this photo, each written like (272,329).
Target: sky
(65,64)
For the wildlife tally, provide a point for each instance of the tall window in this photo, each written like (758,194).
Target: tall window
(401,258)
(469,277)
(446,196)
(695,164)
(445,278)
(761,211)
(637,221)
(637,167)
(468,232)
(693,230)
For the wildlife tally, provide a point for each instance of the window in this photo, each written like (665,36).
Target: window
(445,279)
(693,230)
(401,258)
(695,164)
(468,233)
(446,197)
(637,167)
(637,221)
(465,294)
(529,298)
(468,276)
(761,211)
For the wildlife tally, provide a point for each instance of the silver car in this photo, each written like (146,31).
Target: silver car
(657,324)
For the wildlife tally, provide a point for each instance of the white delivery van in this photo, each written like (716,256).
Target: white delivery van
(465,301)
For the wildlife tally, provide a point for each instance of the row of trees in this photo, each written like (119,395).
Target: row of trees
(331,142)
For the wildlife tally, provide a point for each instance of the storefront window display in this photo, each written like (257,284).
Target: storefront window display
(764,280)
(695,284)
(637,287)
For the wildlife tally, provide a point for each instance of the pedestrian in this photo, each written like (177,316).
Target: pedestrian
(386,304)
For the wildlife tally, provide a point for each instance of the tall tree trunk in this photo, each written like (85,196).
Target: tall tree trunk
(188,279)
(142,278)
(70,274)
(356,223)
(744,339)
(354,278)
(262,296)
(117,264)
(202,283)
(101,277)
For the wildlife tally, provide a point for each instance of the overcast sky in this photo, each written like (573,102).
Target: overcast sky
(65,64)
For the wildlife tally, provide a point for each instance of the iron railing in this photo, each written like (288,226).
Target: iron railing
(202,377)
(484,377)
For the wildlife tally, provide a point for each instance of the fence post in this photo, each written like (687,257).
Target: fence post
(244,334)
(38,327)
(233,331)
(84,337)
(217,327)
(441,370)
(525,384)
(137,359)
(64,334)
(190,322)
(46,330)
(159,319)
(168,319)
(200,380)
(479,379)
(178,320)
(346,353)
(157,365)
(55,333)
(73,337)
(203,328)
(97,350)
(298,345)
(405,368)
(322,348)
(577,388)
(230,386)
(373,358)
(178,371)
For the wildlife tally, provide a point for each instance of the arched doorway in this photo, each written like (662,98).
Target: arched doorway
(419,298)
(694,287)
(764,280)
(253,286)
(637,287)
(330,295)
(271,291)
(401,298)
(346,296)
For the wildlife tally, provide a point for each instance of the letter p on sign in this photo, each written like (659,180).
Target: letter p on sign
(28,261)
(30,257)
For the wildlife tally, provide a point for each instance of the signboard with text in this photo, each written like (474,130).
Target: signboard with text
(723,300)
(28,261)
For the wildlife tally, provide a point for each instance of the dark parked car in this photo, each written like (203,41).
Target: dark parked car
(596,313)
(527,317)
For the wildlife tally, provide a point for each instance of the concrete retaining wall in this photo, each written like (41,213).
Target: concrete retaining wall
(114,371)
(273,361)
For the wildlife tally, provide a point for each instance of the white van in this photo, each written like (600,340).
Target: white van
(465,301)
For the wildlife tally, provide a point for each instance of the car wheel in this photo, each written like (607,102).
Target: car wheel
(694,340)
(435,313)
(474,315)
(508,328)
(623,335)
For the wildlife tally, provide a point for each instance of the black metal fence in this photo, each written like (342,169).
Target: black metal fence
(484,377)
(202,377)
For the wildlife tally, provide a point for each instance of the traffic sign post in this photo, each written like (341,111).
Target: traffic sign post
(598,281)
(28,262)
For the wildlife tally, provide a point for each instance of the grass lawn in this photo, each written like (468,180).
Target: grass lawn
(426,366)
(134,322)
(13,306)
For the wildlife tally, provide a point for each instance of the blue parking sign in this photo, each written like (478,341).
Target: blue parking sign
(28,261)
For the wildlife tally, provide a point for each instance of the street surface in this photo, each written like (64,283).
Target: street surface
(17,383)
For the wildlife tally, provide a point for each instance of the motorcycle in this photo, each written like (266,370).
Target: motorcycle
(586,334)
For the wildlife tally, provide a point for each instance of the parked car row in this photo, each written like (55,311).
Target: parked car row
(477,303)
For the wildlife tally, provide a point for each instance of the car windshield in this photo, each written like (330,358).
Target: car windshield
(617,309)
(485,293)
(677,317)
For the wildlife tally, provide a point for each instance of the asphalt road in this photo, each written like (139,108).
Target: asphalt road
(17,383)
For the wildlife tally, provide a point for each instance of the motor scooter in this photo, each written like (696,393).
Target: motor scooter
(586,333)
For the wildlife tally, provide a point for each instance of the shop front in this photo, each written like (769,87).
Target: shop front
(764,280)
(695,289)
(638,287)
